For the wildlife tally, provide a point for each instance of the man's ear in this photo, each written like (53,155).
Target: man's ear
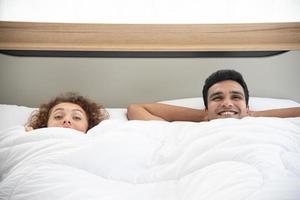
(248,111)
(206,115)
(251,113)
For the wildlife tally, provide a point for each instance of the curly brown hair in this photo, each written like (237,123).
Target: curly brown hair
(95,112)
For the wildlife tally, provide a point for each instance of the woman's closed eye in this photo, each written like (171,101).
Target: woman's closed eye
(77,118)
(58,117)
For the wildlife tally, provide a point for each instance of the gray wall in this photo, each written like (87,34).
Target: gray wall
(117,82)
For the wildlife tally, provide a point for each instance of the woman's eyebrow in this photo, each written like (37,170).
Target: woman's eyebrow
(58,109)
(75,110)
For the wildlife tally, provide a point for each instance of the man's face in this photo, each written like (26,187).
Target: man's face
(226,99)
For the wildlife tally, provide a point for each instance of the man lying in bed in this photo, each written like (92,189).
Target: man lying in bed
(225,95)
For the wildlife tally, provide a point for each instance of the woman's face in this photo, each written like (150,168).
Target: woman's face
(68,115)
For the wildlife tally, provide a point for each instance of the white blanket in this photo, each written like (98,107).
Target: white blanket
(252,158)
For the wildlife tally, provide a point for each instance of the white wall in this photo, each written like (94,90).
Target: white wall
(119,81)
(151,11)
(116,82)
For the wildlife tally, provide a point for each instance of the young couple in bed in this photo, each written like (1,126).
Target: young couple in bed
(225,95)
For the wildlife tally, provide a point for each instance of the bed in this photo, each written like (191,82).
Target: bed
(251,158)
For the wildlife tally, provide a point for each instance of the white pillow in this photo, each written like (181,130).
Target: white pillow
(117,113)
(196,102)
(12,115)
(255,103)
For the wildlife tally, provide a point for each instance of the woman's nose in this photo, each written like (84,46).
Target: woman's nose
(67,120)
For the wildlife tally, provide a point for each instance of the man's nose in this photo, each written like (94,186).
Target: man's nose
(227,102)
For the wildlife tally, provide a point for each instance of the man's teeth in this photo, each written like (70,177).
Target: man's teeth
(227,113)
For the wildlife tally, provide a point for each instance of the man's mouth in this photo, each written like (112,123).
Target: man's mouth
(227,113)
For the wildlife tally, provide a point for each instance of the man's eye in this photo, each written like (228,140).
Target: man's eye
(216,98)
(237,97)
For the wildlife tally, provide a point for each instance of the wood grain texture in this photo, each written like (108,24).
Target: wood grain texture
(149,37)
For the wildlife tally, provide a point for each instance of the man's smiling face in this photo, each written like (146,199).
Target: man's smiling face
(226,99)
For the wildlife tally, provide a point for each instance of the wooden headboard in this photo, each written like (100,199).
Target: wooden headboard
(118,81)
(149,37)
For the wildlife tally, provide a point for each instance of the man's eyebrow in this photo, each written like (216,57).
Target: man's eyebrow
(237,92)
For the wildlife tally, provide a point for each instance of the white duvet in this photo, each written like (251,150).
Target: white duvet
(248,159)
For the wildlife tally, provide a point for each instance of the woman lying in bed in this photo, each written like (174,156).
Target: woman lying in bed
(69,111)
(225,95)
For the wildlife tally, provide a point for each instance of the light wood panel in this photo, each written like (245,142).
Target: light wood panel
(149,37)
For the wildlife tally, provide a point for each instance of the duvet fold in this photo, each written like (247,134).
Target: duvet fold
(251,158)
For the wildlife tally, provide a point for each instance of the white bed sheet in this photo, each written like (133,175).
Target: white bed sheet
(251,158)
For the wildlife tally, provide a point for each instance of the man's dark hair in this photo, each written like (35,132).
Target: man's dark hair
(224,75)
